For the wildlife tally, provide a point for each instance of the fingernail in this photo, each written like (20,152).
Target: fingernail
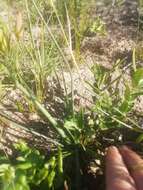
(112,148)
(112,151)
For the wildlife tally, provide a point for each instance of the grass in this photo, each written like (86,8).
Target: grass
(27,62)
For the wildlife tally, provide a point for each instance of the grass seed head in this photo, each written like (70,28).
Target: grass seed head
(19,26)
(3,41)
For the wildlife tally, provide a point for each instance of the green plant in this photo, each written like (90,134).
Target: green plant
(27,66)
(98,27)
(30,169)
(76,14)
(108,93)
(33,61)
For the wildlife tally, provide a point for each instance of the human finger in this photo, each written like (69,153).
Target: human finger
(135,165)
(117,175)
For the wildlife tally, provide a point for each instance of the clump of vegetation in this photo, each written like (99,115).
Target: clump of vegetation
(27,59)
(30,169)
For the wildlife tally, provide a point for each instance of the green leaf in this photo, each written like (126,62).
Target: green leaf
(31,174)
(52,162)
(50,178)
(140,138)
(80,118)
(4,167)
(60,161)
(24,166)
(137,78)
(40,176)
(8,173)
(71,125)
(127,102)
(141,83)
(21,145)
(20,158)
(21,181)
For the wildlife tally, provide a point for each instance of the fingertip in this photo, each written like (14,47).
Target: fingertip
(125,150)
(112,148)
(111,153)
(124,147)
(117,175)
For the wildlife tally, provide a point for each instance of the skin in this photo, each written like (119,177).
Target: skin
(124,169)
